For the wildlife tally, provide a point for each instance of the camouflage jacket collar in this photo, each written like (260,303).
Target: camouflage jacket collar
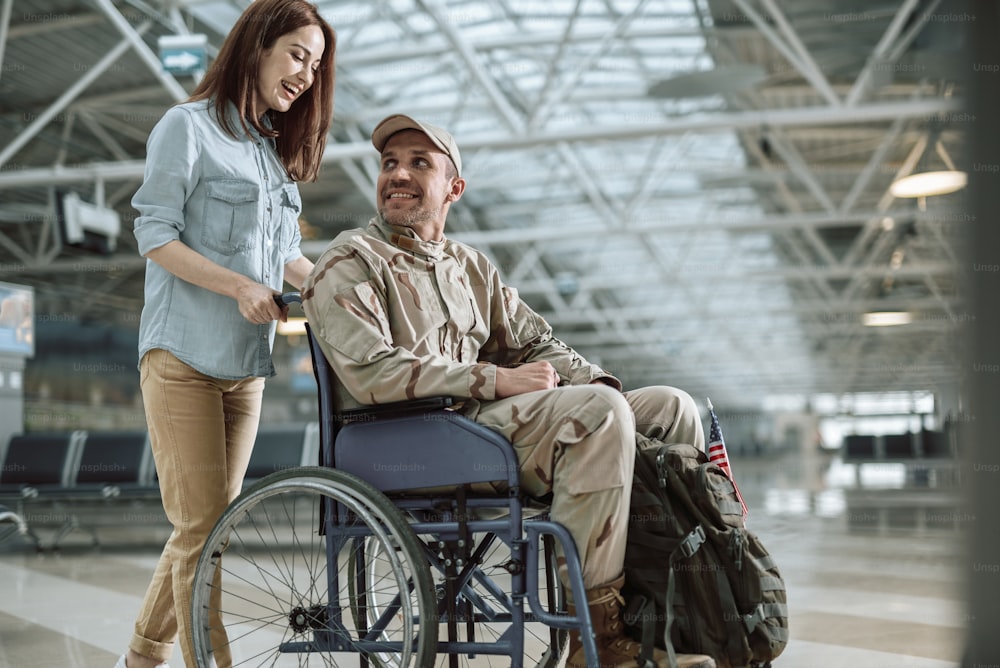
(406,239)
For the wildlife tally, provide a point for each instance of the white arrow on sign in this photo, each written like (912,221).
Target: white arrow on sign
(184,60)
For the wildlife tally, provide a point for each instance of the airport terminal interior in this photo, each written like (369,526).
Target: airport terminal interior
(764,203)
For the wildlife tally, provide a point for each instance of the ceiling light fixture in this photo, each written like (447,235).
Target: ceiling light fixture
(886,318)
(923,181)
(927,184)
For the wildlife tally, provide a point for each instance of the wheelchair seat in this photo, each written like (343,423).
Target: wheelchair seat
(431,450)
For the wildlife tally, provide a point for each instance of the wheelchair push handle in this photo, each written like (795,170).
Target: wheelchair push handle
(288,298)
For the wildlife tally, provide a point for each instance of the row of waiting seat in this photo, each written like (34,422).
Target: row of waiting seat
(923,444)
(72,468)
(929,458)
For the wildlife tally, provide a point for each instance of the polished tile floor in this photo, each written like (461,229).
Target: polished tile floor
(870,564)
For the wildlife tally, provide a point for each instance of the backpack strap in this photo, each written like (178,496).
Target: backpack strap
(690,544)
(642,611)
(732,618)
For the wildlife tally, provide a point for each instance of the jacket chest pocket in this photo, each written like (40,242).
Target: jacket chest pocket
(231,216)
(457,300)
(417,315)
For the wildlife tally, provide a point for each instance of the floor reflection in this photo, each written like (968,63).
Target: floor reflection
(870,559)
(868,496)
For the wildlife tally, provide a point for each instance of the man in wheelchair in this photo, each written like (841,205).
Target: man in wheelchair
(402,312)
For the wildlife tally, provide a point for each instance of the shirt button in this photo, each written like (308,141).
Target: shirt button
(269,243)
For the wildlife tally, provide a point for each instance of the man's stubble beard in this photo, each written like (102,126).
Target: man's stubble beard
(408,218)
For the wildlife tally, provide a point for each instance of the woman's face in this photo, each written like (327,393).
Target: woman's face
(288,68)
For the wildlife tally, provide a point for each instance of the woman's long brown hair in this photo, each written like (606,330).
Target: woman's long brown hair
(300,132)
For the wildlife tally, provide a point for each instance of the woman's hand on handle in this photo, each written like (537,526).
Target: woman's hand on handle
(257,305)
(255,300)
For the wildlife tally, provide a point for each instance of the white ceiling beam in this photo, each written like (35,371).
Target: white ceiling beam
(800,168)
(569,82)
(553,65)
(68,96)
(716,122)
(874,225)
(102,135)
(875,162)
(662,332)
(719,122)
(882,49)
(796,380)
(69,22)
(145,54)
(806,67)
(730,273)
(18,252)
(904,42)
(59,175)
(571,234)
(818,312)
(505,41)
(816,75)
(5,11)
(511,118)
(720,222)
(793,206)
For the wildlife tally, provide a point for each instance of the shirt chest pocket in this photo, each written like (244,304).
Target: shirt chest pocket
(288,223)
(231,217)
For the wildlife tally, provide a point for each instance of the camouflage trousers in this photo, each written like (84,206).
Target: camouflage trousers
(578,443)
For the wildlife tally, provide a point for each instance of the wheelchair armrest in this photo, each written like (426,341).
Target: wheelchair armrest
(396,408)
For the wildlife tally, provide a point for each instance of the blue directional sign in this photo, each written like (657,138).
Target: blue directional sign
(183,54)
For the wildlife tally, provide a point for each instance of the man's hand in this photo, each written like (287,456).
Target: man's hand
(529,377)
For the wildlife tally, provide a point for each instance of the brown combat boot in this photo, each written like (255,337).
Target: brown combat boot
(614,648)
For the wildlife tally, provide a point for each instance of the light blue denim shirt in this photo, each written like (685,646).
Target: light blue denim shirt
(232,201)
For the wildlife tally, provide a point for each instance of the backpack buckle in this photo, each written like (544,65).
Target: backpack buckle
(691,542)
(754,618)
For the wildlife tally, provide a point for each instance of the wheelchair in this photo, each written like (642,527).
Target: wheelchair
(410,544)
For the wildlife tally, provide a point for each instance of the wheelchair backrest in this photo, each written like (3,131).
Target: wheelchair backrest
(326,383)
(382,447)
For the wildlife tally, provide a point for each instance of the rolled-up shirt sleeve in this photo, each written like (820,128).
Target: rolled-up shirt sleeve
(171,174)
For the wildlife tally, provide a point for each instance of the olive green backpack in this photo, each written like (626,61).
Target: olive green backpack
(696,580)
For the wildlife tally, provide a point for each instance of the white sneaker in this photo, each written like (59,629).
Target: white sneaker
(121,663)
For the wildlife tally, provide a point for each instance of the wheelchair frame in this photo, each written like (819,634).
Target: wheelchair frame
(368,515)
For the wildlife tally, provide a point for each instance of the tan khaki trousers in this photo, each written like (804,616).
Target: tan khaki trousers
(202,432)
(578,443)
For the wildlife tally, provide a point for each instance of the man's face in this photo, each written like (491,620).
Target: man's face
(416,184)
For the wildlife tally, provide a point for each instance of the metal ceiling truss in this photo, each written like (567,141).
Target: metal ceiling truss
(727,243)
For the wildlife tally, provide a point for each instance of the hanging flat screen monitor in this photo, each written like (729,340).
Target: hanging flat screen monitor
(17,319)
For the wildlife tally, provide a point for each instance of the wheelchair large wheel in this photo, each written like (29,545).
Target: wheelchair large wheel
(269,586)
(488,592)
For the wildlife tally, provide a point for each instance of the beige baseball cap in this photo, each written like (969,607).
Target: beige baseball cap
(390,125)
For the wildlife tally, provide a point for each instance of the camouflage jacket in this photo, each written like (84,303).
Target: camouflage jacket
(400,318)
